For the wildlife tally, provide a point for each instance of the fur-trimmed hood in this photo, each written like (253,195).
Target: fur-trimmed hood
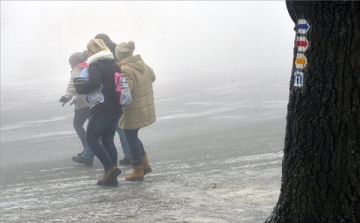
(101,70)
(102,55)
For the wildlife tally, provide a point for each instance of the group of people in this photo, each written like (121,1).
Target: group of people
(102,59)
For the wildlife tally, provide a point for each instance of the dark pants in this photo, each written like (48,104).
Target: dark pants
(124,144)
(136,146)
(80,118)
(103,126)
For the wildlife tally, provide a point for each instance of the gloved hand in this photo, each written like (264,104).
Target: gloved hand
(64,100)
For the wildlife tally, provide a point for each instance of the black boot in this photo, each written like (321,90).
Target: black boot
(80,159)
(125,161)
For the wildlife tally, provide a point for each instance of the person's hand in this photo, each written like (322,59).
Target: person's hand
(64,100)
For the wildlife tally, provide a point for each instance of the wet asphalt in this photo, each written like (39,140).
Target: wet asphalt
(215,151)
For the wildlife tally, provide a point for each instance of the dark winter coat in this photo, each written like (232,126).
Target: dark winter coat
(101,72)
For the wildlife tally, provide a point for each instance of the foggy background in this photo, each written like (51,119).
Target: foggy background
(240,38)
(222,87)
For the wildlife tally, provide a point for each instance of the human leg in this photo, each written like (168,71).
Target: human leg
(102,126)
(86,156)
(108,139)
(98,124)
(137,151)
(145,161)
(124,144)
(88,153)
(136,147)
(125,147)
(80,117)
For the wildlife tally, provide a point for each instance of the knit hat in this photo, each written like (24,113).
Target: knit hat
(124,50)
(103,36)
(78,57)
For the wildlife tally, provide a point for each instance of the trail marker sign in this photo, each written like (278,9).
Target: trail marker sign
(300,61)
(302,26)
(302,43)
(298,79)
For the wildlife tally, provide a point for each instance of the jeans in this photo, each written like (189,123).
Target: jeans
(124,144)
(87,153)
(103,126)
(80,118)
(136,146)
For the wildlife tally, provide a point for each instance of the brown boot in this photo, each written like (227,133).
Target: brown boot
(137,173)
(109,176)
(146,165)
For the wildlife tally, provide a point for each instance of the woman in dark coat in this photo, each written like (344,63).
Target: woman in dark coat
(104,116)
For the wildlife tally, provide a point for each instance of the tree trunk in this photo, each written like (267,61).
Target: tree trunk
(321,163)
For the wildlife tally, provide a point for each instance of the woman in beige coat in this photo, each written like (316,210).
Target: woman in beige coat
(141,112)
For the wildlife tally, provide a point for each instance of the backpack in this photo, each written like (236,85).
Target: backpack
(122,86)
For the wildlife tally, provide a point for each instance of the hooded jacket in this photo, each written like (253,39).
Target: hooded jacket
(141,111)
(80,100)
(111,45)
(101,72)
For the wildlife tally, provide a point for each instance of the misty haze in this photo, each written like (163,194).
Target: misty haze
(222,85)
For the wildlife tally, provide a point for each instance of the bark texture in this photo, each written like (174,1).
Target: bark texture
(321,163)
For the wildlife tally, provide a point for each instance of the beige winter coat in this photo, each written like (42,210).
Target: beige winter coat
(80,100)
(141,112)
